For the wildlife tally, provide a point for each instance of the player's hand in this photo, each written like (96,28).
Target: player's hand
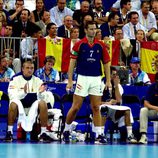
(69,86)
(108,85)
(42,88)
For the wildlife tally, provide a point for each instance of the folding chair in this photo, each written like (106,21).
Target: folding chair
(134,103)
(83,115)
(57,105)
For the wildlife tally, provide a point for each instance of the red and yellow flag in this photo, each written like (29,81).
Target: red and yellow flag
(114,51)
(149,54)
(60,49)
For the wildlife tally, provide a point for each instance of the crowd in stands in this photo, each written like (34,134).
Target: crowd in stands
(128,21)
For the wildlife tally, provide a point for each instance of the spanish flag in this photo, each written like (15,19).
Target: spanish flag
(59,48)
(149,55)
(114,51)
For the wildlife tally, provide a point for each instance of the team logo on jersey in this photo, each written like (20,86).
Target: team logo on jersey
(98,51)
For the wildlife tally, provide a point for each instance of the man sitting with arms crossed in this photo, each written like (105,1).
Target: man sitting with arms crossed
(27,91)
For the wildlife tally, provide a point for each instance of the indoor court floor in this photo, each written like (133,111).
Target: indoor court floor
(79,150)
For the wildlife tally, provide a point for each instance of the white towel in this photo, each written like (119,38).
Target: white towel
(121,121)
(27,121)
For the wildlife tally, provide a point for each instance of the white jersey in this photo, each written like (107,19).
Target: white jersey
(16,86)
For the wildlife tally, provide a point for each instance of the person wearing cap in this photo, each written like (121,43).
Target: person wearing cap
(136,75)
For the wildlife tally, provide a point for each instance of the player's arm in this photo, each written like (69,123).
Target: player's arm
(70,73)
(107,74)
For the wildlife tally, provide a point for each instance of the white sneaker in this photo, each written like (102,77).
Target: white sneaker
(143,139)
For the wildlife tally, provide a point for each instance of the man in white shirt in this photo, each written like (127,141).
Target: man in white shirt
(134,3)
(58,12)
(130,29)
(148,20)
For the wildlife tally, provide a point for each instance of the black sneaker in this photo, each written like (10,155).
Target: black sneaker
(101,140)
(44,138)
(9,136)
(66,138)
(131,139)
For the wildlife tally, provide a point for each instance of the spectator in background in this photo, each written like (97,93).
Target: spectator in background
(29,46)
(74,36)
(44,22)
(148,20)
(130,29)
(125,7)
(6,73)
(98,35)
(154,9)
(134,3)
(109,27)
(99,13)
(136,75)
(23,27)
(118,33)
(48,73)
(58,12)
(150,109)
(3,10)
(140,36)
(52,32)
(86,19)
(9,47)
(14,14)
(3,23)
(64,30)
(79,15)
(36,15)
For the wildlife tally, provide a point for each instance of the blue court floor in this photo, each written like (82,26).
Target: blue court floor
(56,150)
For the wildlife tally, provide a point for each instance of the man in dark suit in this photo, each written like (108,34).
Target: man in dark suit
(64,30)
(23,27)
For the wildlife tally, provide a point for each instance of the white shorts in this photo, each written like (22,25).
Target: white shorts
(88,85)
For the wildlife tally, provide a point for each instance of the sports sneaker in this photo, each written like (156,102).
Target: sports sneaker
(66,135)
(143,139)
(9,136)
(101,140)
(104,110)
(44,138)
(131,139)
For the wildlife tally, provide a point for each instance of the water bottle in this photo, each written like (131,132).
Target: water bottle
(108,135)
(116,137)
(28,136)
(73,137)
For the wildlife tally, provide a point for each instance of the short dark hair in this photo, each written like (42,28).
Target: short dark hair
(27,11)
(89,23)
(132,13)
(112,16)
(49,25)
(144,1)
(19,0)
(124,2)
(49,58)
(29,61)
(34,29)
